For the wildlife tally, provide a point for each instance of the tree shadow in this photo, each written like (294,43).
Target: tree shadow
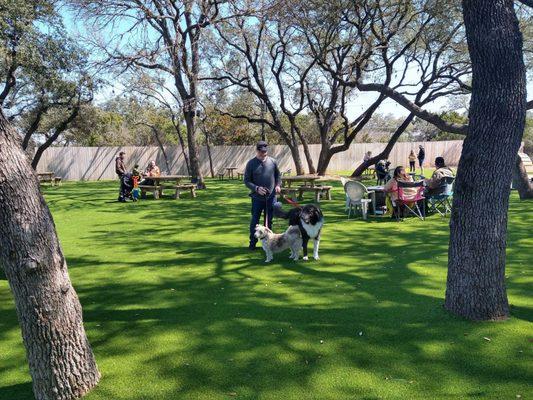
(175,308)
(19,391)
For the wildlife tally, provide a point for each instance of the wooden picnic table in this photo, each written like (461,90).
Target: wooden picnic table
(173,182)
(230,171)
(168,178)
(308,186)
(306,179)
(49,176)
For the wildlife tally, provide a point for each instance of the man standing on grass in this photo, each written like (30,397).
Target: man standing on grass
(263,178)
(120,169)
(421,157)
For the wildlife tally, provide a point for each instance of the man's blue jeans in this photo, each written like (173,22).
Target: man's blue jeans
(258,206)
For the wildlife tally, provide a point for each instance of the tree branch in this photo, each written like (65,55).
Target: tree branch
(413,108)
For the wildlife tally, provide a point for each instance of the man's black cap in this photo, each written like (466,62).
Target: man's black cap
(261,145)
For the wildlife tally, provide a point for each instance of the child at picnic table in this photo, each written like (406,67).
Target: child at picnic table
(136,172)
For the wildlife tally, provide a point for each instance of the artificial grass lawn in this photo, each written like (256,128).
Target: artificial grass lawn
(176,308)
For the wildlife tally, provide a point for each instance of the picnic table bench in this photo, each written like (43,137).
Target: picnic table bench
(230,172)
(318,192)
(292,193)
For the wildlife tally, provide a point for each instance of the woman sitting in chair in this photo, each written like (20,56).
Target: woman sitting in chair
(392,185)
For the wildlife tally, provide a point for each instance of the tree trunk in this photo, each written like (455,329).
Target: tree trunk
(308,157)
(61,361)
(161,147)
(182,144)
(521,180)
(33,127)
(307,152)
(196,173)
(386,151)
(60,129)
(208,147)
(478,227)
(324,158)
(295,152)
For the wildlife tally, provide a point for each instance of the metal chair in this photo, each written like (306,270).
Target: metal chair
(410,204)
(357,197)
(440,201)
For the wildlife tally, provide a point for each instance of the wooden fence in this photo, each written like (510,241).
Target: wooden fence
(98,163)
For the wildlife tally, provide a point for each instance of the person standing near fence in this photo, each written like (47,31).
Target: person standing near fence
(120,169)
(263,178)
(412,160)
(421,157)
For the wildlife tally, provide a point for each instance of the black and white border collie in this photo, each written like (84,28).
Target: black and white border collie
(310,220)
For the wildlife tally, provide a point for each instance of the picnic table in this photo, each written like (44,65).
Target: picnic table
(49,176)
(230,171)
(173,182)
(308,180)
(307,186)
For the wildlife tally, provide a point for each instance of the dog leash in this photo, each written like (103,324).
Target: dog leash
(266,212)
(291,202)
(288,200)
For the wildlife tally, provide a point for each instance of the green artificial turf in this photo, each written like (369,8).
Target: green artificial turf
(176,307)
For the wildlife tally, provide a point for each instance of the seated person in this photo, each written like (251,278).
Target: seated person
(434,184)
(400,175)
(151,170)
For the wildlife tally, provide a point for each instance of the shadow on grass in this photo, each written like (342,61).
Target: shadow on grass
(20,391)
(172,300)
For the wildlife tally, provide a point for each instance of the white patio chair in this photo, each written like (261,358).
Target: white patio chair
(357,197)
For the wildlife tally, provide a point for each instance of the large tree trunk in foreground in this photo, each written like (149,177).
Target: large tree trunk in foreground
(478,227)
(194,161)
(521,180)
(61,361)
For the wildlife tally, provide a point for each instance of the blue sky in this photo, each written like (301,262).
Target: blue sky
(354,108)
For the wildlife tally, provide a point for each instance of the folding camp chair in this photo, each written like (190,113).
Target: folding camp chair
(410,204)
(440,201)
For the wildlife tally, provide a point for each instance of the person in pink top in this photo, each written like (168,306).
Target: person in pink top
(392,185)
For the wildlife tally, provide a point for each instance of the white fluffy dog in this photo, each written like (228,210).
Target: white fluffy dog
(276,242)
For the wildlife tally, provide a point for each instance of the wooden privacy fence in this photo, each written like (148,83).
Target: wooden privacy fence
(98,163)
